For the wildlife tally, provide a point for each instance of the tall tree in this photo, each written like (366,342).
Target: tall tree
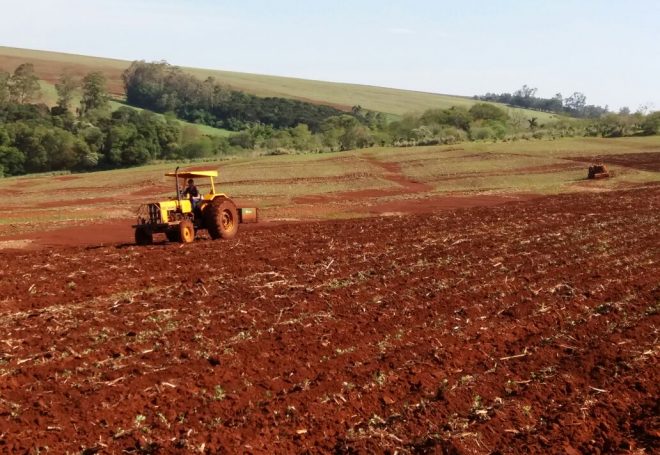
(526,92)
(94,94)
(625,110)
(66,87)
(24,84)
(576,102)
(4,87)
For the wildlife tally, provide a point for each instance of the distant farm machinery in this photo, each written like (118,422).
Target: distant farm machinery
(179,218)
(598,171)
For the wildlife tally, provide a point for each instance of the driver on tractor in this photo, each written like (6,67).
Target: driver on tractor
(192,193)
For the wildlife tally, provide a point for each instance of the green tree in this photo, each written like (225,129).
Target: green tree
(346,132)
(375,120)
(169,136)
(243,140)
(524,97)
(576,103)
(458,117)
(94,94)
(4,88)
(27,138)
(302,138)
(65,150)
(24,84)
(402,129)
(201,148)
(625,110)
(66,87)
(485,111)
(651,124)
(11,159)
(613,125)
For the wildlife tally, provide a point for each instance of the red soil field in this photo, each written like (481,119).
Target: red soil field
(649,161)
(527,327)
(407,196)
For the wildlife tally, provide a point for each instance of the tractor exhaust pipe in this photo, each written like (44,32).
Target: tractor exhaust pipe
(176,179)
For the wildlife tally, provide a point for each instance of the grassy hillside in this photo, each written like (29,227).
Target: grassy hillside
(49,65)
(203,129)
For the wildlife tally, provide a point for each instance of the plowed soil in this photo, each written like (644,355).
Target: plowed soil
(649,161)
(529,327)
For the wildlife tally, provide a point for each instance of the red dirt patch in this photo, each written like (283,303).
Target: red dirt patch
(75,203)
(436,203)
(559,167)
(522,328)
(96,233)
(393,174)
(152,190)
(645,161)
(300,180)
(64,178)
(405,186)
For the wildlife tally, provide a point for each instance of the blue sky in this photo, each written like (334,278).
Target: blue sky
(607,49)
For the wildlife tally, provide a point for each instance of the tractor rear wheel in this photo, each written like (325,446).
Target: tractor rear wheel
(186,231)
(221,219)
(143,236)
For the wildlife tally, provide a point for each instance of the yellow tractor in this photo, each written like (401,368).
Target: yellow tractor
(179,218)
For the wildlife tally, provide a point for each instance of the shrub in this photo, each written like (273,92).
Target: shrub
(451,135)
(201,148)
(482,133)
(485,111)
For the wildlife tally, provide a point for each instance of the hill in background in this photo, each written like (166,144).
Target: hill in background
(50,65)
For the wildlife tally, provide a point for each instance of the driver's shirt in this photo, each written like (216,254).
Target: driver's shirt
(191,191)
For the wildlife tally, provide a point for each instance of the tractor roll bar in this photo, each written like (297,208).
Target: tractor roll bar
(176,179)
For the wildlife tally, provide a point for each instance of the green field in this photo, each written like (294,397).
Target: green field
(203,129)
(333,185)
(387,100)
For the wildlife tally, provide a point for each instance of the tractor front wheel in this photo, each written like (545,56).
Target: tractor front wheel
(143,236)
(221,219)
(186,231)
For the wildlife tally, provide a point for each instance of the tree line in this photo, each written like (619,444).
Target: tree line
(82,135)
(574,105)
(82,131)
(162,88)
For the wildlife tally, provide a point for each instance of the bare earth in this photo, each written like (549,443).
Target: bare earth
(524,327)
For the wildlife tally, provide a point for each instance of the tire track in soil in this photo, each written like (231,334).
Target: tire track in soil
(418,197)
(393,173)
